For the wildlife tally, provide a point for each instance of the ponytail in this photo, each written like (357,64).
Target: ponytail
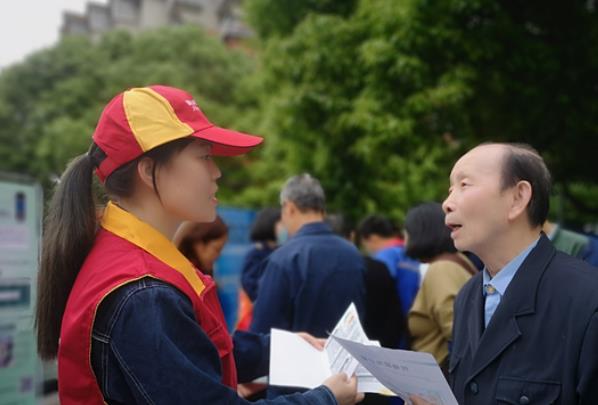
(69,232)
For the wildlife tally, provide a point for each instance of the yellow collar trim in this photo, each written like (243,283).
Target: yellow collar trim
(132,229)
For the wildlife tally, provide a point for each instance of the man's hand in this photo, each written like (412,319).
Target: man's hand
(419,401)
(314,341)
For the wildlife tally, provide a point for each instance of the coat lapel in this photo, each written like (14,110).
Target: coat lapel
(475,320)
(519,300)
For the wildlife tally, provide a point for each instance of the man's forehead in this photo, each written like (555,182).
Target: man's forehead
(482,160)
(458,173)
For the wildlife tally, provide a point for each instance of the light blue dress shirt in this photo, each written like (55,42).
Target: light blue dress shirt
(495,287)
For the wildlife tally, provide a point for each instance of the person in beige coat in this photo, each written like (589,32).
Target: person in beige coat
(431,316)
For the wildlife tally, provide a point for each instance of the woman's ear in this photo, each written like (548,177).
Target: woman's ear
(145,171)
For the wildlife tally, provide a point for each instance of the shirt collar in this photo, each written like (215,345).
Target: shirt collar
(394,242)
(129,227)
(503,278)
(314,228)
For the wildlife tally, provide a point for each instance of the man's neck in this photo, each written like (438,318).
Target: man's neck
(378,243)
(503,251)
(392,242)
(308,218)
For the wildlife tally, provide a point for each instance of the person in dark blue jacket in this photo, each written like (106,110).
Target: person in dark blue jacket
(310,280)
(526,327)
(263,235)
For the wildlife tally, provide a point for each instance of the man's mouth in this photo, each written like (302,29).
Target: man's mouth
(454,227)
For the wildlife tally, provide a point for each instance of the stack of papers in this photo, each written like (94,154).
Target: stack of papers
(295,363)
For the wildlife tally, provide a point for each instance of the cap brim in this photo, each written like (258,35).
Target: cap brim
(226,142)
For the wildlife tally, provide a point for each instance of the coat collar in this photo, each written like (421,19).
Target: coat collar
(314,228)
(129,227)
(519,300)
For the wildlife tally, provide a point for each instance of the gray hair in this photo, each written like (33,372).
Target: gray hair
(305,192)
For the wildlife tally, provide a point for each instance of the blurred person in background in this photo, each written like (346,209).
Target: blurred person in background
(381,240)
(383,319)
(311,279)
(202,243)
(573,243)
(428,240)
(264,237)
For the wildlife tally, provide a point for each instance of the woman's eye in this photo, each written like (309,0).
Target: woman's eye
(206,157)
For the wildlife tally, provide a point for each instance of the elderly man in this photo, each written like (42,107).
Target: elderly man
(311,279)
(525,328)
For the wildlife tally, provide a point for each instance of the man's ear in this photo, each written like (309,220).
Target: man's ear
(291,207)
(522,195)
(145,168)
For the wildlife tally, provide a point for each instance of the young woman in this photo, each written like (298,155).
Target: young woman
(128,316)
(202,243)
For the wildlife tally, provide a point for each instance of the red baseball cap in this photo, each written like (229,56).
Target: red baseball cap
(140,119)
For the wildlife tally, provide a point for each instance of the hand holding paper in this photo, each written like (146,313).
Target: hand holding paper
(344,389)
(404,372)
(294,363)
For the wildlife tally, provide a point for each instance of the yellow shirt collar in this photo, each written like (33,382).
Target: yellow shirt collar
(132,229)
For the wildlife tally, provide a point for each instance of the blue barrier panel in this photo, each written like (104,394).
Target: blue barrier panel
(227,271)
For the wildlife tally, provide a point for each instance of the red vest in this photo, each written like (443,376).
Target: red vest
(127,249)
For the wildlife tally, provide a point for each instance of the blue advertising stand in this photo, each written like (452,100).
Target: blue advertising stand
(20,233)
(227,272)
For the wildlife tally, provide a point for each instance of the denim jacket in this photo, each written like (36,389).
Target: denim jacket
(147,348)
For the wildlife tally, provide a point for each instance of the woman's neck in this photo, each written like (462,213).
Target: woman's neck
(152,214)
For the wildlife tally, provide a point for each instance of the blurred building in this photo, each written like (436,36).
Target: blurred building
(219,17)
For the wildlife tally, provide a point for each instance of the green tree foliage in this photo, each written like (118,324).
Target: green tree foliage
(276,18)
(49,104)
(346,99)
(379,103)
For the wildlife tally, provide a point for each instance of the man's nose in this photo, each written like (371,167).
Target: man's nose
(447,205)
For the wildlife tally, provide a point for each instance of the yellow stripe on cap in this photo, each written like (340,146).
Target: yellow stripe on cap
(152,119)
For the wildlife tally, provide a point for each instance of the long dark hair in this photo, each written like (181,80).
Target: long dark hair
(428,234)
(69,232)
(263,229)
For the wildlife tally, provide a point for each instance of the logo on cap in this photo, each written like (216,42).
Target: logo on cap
(191,103)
